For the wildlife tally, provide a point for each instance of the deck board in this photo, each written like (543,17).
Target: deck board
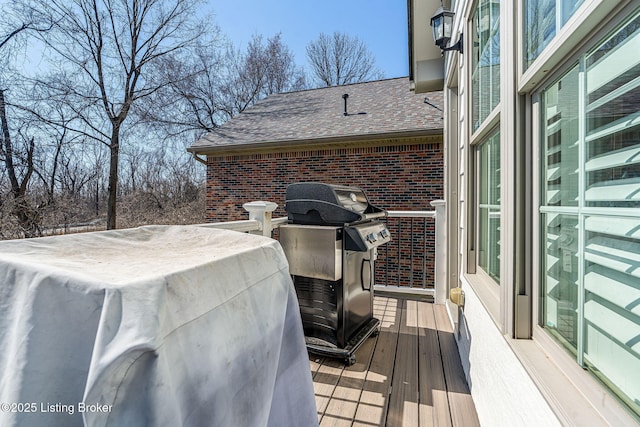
(344,401)
(434,405)
(403,402)
(408,375)
(457,388)
(325,382)
(373,405)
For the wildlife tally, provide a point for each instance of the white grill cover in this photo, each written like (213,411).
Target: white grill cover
(158,326)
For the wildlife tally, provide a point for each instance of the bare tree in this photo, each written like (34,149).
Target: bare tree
(54,134)
(282,74)
(17,22)
(219,83)
(7,37)
(18,162)
(37,154)
(19,170)
(341,59)
(264,69)
(192,103)
(105,49)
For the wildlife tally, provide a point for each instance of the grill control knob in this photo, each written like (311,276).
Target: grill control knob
(371,237)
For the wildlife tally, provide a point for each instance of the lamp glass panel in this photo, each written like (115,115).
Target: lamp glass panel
(437,28)
(448,25)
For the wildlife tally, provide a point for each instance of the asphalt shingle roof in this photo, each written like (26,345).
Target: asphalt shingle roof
(378,109)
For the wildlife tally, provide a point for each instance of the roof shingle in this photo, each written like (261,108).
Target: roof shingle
(378,109)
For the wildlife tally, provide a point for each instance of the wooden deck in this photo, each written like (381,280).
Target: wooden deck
(409,375)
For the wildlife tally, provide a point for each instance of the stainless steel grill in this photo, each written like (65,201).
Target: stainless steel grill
(331,244)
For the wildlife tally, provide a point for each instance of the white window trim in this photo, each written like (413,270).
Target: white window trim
(496,298)
(570,38)
(573,393)
(488,292)
(487,127)
(575,396)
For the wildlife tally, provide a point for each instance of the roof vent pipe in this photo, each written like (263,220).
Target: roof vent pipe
(345,96)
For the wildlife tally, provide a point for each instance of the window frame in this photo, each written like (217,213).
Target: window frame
(558,25)
(488,290)
(480,179)
(470,48)
(570,38)
(606,404)
(493,296)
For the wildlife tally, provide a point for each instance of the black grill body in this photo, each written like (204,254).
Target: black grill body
(331,244)
(325,204)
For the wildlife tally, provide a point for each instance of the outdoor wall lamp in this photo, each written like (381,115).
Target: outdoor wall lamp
(441,25)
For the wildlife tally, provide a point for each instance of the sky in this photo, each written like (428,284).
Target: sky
(381,24)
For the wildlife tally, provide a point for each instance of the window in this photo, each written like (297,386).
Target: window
(591,212)
(561,136)
(485,60)
(543,19)
(489,206)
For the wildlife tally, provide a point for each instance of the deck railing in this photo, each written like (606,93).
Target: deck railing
(413,262)
(406,264)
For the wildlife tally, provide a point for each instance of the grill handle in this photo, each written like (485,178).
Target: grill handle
(364,275)
(374,215)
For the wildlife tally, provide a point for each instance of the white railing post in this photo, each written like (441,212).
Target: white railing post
(440,274)
(261,212)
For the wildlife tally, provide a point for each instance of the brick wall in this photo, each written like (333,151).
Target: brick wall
(398,177)
(395,177)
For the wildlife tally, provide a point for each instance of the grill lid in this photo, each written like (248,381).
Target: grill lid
(317,203)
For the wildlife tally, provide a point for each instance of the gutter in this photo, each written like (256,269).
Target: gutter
(328,142)
(199,159)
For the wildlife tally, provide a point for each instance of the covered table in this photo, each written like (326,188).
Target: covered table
(155,326)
